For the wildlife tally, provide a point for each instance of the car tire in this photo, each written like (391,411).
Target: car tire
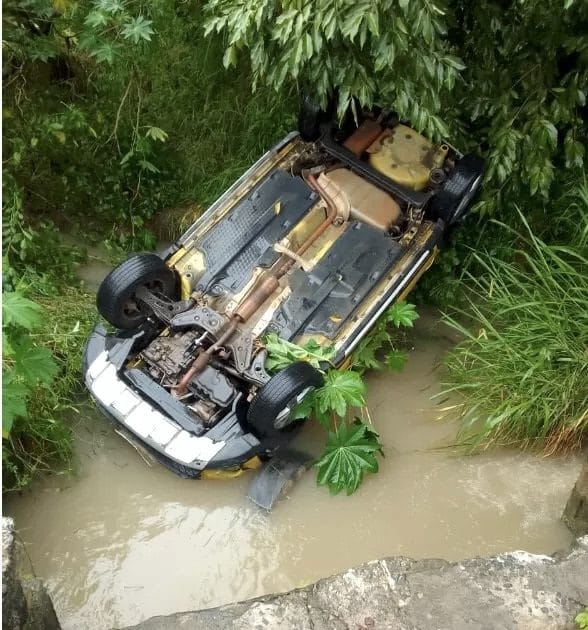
(115,299)
(268,411)
(458,191)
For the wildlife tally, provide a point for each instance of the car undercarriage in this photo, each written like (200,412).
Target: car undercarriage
(313,242)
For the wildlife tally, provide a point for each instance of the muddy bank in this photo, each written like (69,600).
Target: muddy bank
(509,591)
(124,542)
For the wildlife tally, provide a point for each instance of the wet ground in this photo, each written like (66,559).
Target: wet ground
(124,541)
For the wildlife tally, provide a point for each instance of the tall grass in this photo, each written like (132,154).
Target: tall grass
(522,369)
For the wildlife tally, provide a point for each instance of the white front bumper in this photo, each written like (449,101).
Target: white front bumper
(137,415)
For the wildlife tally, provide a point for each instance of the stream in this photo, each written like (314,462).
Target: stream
(122,541)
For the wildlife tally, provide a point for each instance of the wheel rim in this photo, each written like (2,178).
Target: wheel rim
(282,420)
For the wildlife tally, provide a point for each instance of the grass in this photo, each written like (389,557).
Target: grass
(217,126)
(522,368)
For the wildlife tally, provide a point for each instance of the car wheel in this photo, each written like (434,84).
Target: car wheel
(116,300)
(269,411)
(458,191)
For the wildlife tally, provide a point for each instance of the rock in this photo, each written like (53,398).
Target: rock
(575,515)
(41,615)
(513,590)
(14,608)
(26,605)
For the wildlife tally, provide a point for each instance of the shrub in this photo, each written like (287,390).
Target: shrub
(41,372)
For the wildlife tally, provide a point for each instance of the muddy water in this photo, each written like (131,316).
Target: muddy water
(123,541)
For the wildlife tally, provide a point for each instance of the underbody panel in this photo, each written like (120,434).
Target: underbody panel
(322,299)
(244,240)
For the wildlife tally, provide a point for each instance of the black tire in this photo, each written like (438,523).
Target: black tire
(458,191)
(310,117)
(115,299)
(277,394)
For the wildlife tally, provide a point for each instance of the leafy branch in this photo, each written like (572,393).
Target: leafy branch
(352,445)
(25,365)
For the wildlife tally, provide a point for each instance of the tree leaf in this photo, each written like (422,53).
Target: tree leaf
(402,314)
(340,390)
(350,452)
(14,400)
(396,360)
(33,363)
(20,311)
(230,57)
(138,28)
(156,134)
(281,353)
(365,355)
(96,19)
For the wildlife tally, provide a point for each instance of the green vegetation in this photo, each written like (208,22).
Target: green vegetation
(120,123)
(581,619)
(352,443)
(41,359)
(509,77)
(522,369)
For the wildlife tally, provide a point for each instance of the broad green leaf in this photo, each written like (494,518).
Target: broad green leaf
(350,452)
(581,619)
(365,355)
(454,62)
(96,19)
(103,52)
(148,166)
(340,390)
(303,409)
(157,134)
(282,353)
(396,360)
(110,6)
(19,311)
(402,314)
(137,29)
(7,349)
(33,363)
(230,57)
(14,400)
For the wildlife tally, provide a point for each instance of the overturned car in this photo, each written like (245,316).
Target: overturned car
(317,239)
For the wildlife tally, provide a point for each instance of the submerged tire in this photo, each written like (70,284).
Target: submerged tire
(115,299)
(268,411)
(458,191)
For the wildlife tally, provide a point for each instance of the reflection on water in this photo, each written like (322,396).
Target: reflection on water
(123,542)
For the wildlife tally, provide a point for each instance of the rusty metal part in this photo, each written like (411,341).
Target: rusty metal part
(261,291)
(167,356)
(363,137)
(360,199)
(406,157)
(201,361)
(204,409)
